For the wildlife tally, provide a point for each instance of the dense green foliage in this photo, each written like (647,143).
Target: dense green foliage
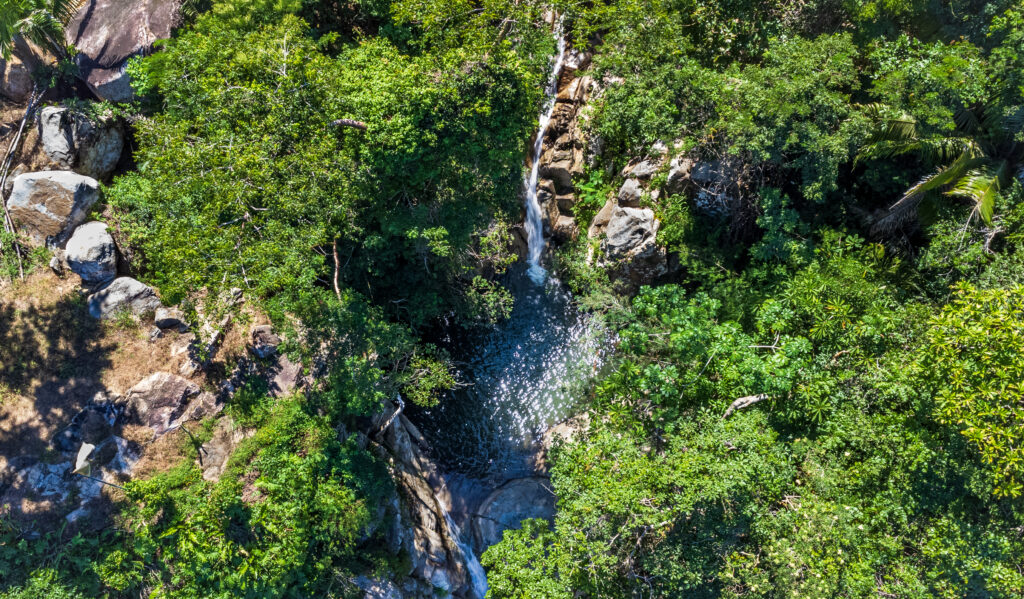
(876,336)
(853,274)
(284,519)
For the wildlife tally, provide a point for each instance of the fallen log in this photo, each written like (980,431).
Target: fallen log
(744,402)
(349,123)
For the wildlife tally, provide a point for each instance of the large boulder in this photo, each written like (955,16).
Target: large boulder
(76,142)
(15,80)
(644,169)
(505,509)
(109,32)
(264,341)
(678,175)
(48,205)
(631,247)
(629,231)
(123,293)
(92,254)
(170,318)
(162,401)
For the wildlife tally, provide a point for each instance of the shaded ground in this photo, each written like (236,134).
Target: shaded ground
(54,360)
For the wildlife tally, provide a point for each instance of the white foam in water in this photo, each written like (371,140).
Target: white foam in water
(477,576)
(534,227)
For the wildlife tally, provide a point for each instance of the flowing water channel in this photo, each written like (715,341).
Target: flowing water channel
(517,378)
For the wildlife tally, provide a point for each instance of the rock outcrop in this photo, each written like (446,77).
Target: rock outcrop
(48,205)
(170,318)
(631,251)
(109,32)
(123,293)
(264,341)
(517,500)
(92,254)
(79,143)
(162,401)
(15,80)
(420,526)
(563,154)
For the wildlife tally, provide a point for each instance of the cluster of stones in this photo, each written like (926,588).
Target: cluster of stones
(51,208)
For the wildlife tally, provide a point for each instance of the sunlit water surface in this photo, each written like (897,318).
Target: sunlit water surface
(521,376)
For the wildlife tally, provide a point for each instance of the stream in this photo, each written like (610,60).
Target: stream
(517,378)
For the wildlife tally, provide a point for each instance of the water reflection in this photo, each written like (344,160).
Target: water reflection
(522,376)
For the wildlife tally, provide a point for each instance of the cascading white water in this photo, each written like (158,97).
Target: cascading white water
(477,576)
(534,227)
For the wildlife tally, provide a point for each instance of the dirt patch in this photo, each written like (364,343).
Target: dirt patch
(54,358)
(61,372)
(161,455)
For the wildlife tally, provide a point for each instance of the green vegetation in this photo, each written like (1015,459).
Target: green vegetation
(41,22)
(877,449)
(826,399)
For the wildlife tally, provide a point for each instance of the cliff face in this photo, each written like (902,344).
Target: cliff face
(563,155)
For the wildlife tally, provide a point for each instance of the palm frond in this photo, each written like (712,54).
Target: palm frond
(884,149)
(943,149)
(906,207)
(966,120)
(65,10)
(993,118)
(890,137)
(982,186)
(1015,123)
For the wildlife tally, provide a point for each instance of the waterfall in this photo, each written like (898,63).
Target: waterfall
(477,576)
(534,227)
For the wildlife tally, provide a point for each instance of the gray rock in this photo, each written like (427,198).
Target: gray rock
(564,229)
(162,401)
(57,266)
(376,588)
(264,341)
(644,170)
(505,509)
(678,175)
(286,377)
(109,32)
(48,205)
(92,254)
(630,193)
(629,230)
(15,79)
(600,222)
(170,318)
(123,293)
(78,143)
(631,247)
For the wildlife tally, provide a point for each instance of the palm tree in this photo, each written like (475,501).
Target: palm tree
(41,22)
(977,161)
